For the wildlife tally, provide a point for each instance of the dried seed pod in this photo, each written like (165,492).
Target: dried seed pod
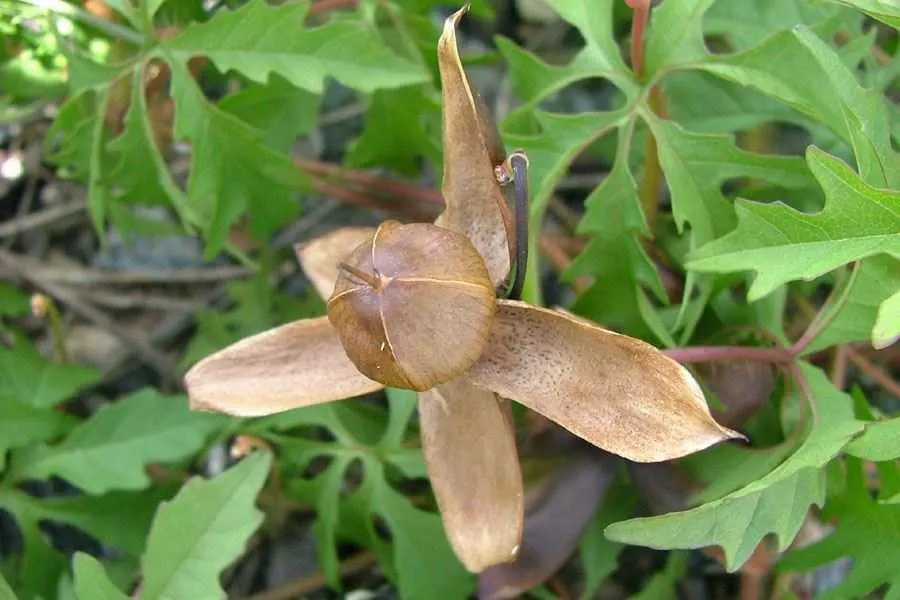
(413,307)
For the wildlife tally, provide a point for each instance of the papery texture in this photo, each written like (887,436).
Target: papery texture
(475,203)
(298,364)
(467,437)
(618,393)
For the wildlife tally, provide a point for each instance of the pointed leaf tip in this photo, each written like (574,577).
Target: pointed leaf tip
(473,464)
(616,392)
(294,365)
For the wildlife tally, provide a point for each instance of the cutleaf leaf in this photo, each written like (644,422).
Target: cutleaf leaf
(533,79)
(615,253)
(738,521)
(867,531)
(202,530)
(109,450)
(696,165)
(138,166)
(798,69)
(857,221)
(676,34)
(228,163)
(877,278)
(259,39)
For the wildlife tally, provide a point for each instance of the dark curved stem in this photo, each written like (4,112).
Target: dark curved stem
(518,162)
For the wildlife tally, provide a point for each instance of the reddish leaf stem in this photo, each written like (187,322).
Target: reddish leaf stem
(641,10)
(391,186)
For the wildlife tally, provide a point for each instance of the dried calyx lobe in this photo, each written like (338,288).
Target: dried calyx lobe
(413,306)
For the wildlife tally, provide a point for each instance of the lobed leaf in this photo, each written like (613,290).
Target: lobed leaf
(616,223)
(229,160)
(740,520)
(196,535)
(142,428)
(797,68)
(259,39)
(857,221)
(867,531)
(877,278)
(676,35)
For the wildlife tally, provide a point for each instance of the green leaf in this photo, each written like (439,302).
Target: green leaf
(418,557)
(877,278)
(676,35)
(857,221)
(615,221)
(259,39)
(886,11)
(867,531)
(398,143)
(696,165)
(739,521)
(29,378)
(887,324)
(228,163)
(202,530)
(878,442)
(21,424)
(13,301)
(281,111)
(39,566)
(91,582)
(139,169)
(6,592)
(562,138)
(121,520)
(534,80)
(663,585)
(422,556)
(703,103)
(73,132)
(798,69)
(864,113)
(597,554)
(747,23)
(110,450)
